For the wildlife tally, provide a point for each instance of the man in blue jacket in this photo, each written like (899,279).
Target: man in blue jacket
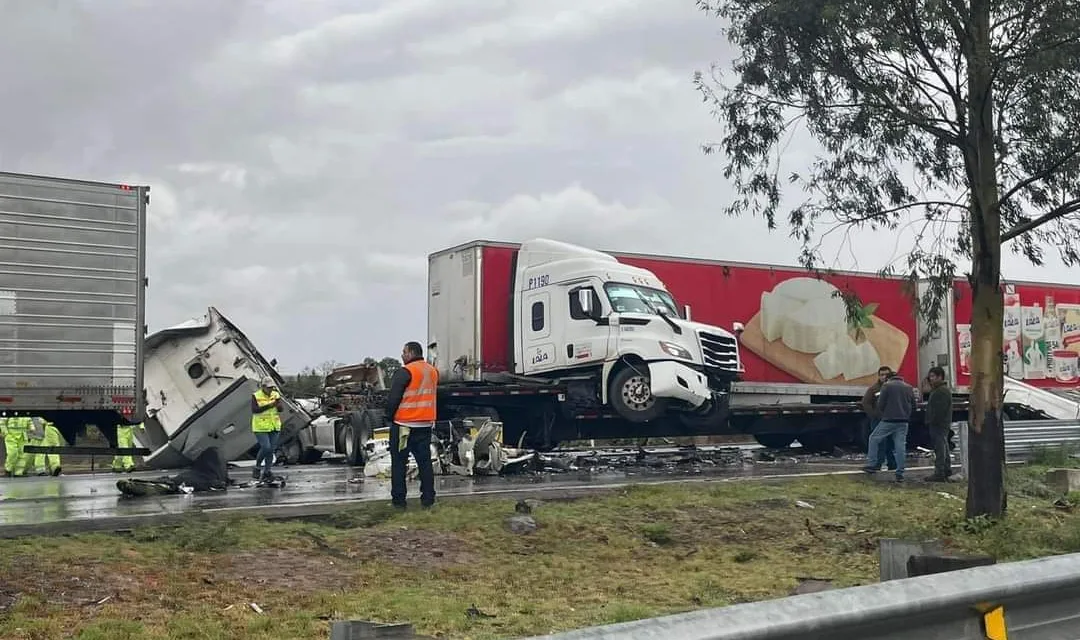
(895,403)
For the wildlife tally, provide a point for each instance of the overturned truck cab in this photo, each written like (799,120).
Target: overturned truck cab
(200,376)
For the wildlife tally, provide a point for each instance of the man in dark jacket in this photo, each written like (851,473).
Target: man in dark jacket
(939,423)
(869,405)
(411,411)
(896,402)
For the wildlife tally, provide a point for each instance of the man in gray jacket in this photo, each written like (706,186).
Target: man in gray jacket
(895,403)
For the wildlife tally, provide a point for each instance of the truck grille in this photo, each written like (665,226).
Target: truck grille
(719,351)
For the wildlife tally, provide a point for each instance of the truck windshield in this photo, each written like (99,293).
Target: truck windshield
(632,298)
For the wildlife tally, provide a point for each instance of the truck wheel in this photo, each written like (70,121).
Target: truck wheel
(713,418)
(631,396)
(356,434)
(293,451)
(818,442)
(774,440)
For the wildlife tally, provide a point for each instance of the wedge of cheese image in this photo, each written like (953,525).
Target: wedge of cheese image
(802,328)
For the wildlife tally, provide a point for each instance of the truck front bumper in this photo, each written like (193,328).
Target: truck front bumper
(677,381)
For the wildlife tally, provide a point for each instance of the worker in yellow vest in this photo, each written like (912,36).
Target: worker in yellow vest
(45,434)
(125,439)
(266,405)
(15,436)
(410,406)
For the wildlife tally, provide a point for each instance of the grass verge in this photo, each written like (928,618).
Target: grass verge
(459,572)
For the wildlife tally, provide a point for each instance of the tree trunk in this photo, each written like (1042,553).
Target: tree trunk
(986,444)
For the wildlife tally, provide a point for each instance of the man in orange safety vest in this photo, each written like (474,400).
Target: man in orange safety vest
(410,408)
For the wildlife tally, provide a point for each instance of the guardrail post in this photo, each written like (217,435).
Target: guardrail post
(962,448)
(894,554)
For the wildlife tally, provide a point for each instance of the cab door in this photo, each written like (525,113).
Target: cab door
(537,342)
(584,341)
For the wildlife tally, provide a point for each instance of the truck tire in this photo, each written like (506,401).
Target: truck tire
(356,434)
(293,451)
(713,419)
(632,398)
(818,441)
(774,440)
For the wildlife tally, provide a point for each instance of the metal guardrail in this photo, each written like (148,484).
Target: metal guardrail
(1022,437)
(1031,600)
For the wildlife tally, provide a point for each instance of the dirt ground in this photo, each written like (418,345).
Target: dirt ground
(459,572)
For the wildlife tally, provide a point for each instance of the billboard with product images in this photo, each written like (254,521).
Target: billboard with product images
(797,327)
(1040,331)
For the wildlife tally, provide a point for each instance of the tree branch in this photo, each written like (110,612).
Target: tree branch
(1060,211)
(1042,175)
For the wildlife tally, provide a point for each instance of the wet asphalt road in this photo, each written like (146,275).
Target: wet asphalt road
(40,500)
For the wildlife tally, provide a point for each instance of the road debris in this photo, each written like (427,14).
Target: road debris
(474,612)
(207,473)
(522,525)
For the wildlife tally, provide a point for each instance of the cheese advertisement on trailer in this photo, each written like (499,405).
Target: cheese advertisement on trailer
(798,328)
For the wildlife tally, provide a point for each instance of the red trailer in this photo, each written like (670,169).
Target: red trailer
(799,374)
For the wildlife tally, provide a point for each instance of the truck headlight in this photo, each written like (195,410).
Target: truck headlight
(674,350)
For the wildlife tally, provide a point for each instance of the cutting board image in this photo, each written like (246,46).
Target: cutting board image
(891,344)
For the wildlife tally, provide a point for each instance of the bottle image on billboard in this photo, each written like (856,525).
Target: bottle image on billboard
(963,341)
(1033,342)
(1011,333)
(1051,334)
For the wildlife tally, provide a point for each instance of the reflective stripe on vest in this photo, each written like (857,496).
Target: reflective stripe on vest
(418,402)
(266,421)
(18,425)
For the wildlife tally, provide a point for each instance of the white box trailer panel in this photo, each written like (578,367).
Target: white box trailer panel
(72,277)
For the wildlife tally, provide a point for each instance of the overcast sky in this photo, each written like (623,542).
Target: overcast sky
(305,157)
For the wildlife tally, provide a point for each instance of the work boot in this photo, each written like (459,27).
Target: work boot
(56,472)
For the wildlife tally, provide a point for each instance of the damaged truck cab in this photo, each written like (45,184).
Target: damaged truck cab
(580,312)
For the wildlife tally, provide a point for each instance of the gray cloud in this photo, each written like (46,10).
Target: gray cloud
(304,157)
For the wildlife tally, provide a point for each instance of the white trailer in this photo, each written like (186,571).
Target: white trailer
(72,301)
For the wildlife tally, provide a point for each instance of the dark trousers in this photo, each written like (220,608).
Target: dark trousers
(419,445)
(939,436)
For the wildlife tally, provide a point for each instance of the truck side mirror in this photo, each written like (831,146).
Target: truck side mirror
(686,312)
(585,300)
